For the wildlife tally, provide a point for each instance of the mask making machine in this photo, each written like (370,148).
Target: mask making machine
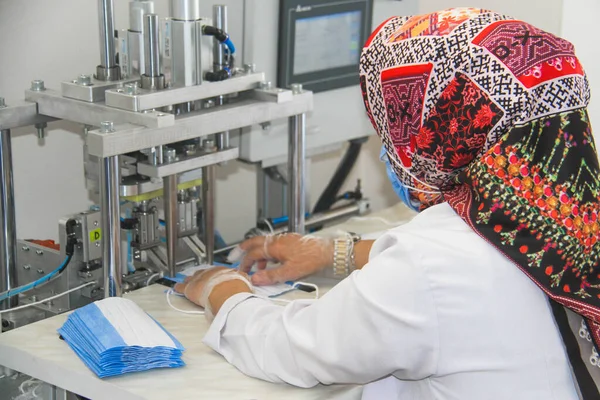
(157,116)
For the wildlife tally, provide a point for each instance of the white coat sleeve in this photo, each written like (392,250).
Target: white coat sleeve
(380,320)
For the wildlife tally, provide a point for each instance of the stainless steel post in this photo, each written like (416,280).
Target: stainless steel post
(171,220)
(8,230)
(151,45)
(108,70)
(296,188)
(220,21)
(208,210)
(185,10)
(152,77)
(111,226)
(135,40)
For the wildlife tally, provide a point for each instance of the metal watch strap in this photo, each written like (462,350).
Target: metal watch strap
(343,256)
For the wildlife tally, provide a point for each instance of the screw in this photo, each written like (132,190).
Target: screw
(97,244)
(249,68)
(84,80)
(38,85)
(190,149)
(25,248)
(266,85)
(39,252)
(40,271)
(107,127)
(296,88)
(26,267)
(170,155)
(209,145)
(2,102)
(131,88)
(41,126)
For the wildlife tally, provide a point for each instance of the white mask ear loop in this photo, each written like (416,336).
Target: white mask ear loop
(436,190)
(169,293)
(312,285)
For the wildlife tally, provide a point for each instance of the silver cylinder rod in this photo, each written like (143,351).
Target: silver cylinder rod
(137,10)
(209,180)
(151,46)
(8,230)
(185,10)
(111,226)
(171,219)
(107,34)
(296,158)
(220,21)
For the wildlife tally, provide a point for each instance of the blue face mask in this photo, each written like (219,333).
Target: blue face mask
(401,190)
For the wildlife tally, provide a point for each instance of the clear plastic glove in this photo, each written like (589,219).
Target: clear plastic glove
(298,256)
(198,287)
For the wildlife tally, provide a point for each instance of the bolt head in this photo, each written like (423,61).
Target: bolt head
(97,244)
(40,271)
(209,104)
(38,85)
(170,154)
(296,88)
(131,88)
(208,145)
(84,80)
(39,252)
(25,248)
(107,127)
(190,149)
(266,85)
(26,267)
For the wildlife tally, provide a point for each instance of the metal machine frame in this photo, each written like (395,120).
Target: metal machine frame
(125,114)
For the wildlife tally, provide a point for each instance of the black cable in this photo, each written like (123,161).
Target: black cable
(218,34)
(329,195)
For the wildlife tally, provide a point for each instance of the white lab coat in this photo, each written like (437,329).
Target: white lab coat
(436,314)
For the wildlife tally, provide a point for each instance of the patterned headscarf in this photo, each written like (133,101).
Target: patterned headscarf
(488,113)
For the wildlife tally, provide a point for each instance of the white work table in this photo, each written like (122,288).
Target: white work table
(36,350)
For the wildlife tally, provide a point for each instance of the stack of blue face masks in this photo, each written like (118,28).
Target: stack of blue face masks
(114,336)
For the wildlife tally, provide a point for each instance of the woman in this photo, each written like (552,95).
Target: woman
(484,125)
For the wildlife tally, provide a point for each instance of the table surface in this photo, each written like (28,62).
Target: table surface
(37,351)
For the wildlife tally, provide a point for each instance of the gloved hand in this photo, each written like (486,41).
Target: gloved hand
(198,287)
(298,255)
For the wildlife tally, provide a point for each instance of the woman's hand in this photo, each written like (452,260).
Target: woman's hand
(299,256)
(210,288)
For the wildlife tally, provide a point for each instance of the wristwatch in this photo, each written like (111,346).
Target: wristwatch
(343,254)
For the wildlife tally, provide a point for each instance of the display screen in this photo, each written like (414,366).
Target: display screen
(327,42)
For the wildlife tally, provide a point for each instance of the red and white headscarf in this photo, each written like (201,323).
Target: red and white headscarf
(488,113)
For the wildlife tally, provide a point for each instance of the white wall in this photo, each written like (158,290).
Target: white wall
(57,40)
(579,19)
